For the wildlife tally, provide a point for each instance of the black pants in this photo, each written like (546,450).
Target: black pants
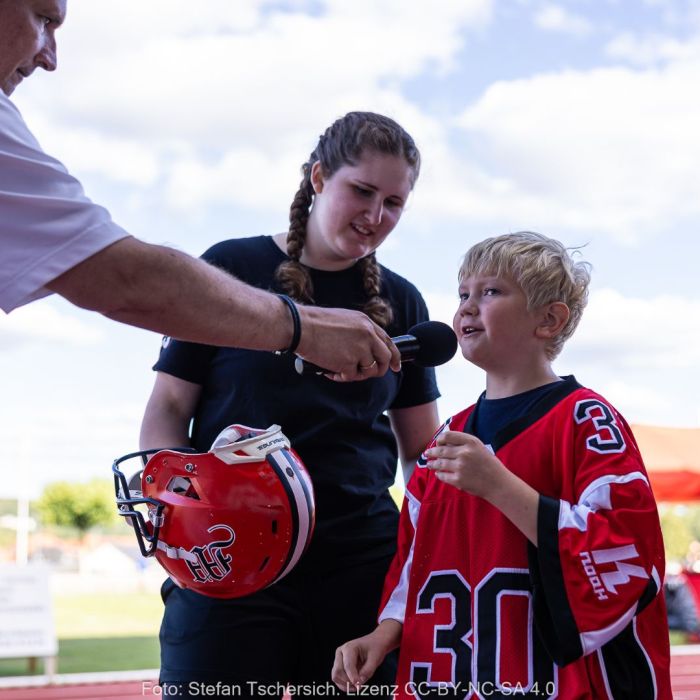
(282,636)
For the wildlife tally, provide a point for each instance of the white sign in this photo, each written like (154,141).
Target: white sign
(26,619)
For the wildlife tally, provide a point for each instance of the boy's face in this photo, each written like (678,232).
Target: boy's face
(494,327)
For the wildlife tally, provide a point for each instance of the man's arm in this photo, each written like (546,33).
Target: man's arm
(169,292)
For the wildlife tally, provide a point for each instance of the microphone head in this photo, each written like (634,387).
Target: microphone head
(437,343)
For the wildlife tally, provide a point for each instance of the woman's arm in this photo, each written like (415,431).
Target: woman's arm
(168,413)
(414,428)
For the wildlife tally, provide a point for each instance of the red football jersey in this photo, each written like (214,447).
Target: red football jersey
(486,614)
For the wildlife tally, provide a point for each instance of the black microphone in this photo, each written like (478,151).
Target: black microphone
(427,344)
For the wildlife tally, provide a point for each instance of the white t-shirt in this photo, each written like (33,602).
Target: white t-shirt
(47,224)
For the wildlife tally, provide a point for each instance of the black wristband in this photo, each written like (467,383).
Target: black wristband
(296,321)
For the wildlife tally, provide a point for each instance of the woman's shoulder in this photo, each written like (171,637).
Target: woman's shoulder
(234,253)
(405,299)
(393,282)
(236,246)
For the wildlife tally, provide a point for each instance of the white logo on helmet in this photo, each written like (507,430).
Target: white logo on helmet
(210,564)
(266,445)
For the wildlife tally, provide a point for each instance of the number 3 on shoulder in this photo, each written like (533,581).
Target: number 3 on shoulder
(608,437)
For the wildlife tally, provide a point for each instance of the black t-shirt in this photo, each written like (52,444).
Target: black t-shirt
(340,430)
(492,415)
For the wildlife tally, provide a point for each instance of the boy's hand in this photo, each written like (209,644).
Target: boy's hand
(463,461)
(356,660)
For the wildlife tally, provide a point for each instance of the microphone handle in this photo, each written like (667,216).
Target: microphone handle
(304,367)
(407,345)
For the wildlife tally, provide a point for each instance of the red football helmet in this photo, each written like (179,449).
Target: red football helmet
(225,523)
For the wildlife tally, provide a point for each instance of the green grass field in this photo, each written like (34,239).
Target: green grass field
(98,615)
(93,655)
(101,632)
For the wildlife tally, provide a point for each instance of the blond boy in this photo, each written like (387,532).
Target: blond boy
(530,556)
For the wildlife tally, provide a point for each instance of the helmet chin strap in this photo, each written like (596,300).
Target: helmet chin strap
(239,444)
(176,552)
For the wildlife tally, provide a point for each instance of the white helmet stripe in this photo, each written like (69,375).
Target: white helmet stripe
(301,504)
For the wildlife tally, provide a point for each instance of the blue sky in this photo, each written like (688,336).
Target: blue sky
(577,119)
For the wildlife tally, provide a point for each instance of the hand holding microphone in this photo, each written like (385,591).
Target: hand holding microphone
(427,344)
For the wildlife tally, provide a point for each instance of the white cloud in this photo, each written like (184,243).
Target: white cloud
(555,18)
(642,354)
(260,178)
(677,15)
(233,88)
(643,335)
(202,95)
(122,160)
(646,403)
(75,443)
(99,28)
(609,150)
(651,49)
(442,306)
(40,323)
(206,101)
(216,111)
(247,177)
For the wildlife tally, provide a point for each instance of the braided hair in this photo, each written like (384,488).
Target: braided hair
(343,143)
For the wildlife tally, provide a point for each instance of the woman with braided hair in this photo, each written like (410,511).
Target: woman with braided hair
(354,187)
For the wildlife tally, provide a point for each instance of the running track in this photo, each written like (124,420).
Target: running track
(685,676)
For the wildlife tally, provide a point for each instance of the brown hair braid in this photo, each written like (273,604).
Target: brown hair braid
(294,277)
(343,143)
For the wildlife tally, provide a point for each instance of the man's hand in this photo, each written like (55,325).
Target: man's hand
(347,343)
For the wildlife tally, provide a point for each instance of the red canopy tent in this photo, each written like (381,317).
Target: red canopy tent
(672,459)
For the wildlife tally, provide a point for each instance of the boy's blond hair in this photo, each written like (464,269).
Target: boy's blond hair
(542,267)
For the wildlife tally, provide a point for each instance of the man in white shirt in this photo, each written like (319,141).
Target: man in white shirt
(54,239)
